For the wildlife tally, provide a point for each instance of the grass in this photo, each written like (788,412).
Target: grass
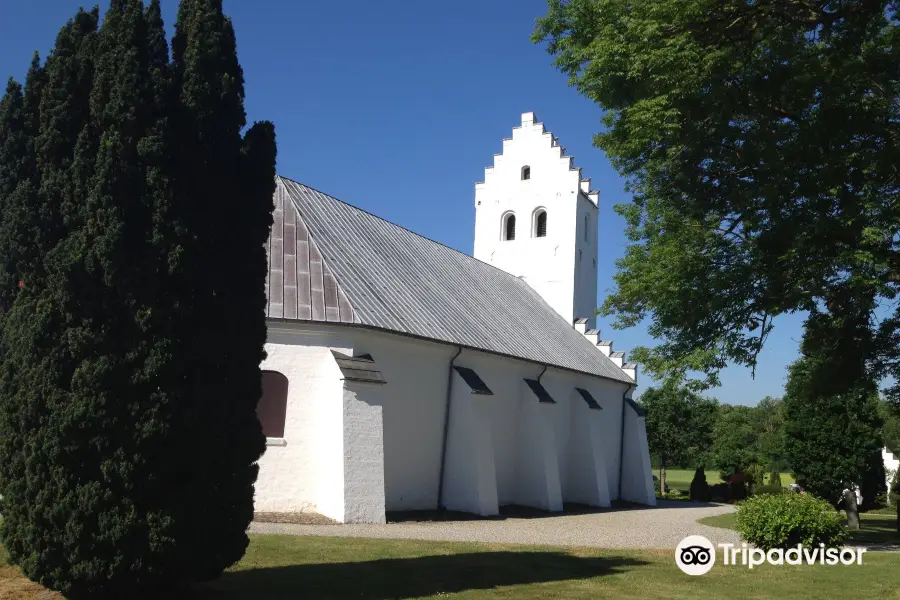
(725,521)
(680,479)
(286,567)
(873,527)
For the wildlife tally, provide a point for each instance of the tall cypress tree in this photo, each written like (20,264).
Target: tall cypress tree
(140,327)
(13,138)
(19,179)
(35,464)
(224,346)
(14,171)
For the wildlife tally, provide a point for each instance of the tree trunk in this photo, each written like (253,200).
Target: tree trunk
(852,510)
(662,479)
(897,502)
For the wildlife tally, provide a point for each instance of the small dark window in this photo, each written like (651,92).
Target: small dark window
(509,228)
(272,406)
(540,225)
(526,173)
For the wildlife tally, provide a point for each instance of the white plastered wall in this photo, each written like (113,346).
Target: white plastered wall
(543,454)
(416,375)
(586,249)
(470,481)
(352,452)
(637,474)
(304,471)
(364,458)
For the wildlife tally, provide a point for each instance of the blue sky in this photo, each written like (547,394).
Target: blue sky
(398,107)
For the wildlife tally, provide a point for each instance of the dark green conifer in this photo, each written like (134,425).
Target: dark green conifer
(13,139)
(36,422)
(219,265)
(19,182)
(137,338)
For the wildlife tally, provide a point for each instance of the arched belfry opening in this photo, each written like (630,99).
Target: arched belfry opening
(509,227)
(539,226)
(526,173)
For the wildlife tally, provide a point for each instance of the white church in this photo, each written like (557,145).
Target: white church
(404,375)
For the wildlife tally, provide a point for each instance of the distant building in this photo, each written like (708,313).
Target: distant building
(891,464)
(404,375)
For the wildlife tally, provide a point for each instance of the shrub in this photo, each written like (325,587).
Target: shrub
(737,489)
(755,475)
(768,489)
(699,488)
(719,492)
(785,520)
(895,488)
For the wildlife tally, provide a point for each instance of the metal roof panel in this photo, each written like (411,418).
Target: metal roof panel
(391,278)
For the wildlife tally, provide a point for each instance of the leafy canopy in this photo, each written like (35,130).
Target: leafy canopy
(679,424)
(736,440)
(760,141)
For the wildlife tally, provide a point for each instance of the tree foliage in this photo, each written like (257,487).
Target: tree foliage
(134,213)
(761,142)
(833,441)
(679,425)
(768,418)
(735,442)
(890,414)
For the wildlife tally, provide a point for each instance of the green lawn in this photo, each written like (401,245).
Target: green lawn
(287,568)
(679,482)
(875,528)
(279,568)
(680,479)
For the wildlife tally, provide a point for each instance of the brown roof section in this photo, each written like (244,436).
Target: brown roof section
(300,285)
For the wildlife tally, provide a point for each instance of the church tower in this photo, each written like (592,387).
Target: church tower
(536,218)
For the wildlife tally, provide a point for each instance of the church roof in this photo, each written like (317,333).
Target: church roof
(332,262)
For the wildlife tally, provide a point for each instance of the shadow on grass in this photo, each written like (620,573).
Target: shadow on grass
(410,577)
(875,529)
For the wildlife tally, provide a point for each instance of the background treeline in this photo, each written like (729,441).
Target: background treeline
(686,430)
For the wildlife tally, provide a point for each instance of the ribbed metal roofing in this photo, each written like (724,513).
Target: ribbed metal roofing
(397,280)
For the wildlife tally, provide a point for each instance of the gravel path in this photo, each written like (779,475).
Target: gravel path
(660,527)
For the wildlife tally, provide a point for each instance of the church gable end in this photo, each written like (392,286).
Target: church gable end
(300,284)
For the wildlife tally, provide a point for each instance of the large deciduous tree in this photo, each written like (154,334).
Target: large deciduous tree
(735,441)
(768,422)
(134,213)
(679,426)
(761,142)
